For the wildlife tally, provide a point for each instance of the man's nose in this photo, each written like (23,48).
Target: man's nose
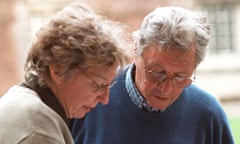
(166,86)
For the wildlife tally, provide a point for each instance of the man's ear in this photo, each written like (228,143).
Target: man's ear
(135,47)
(54,74)
(135,52)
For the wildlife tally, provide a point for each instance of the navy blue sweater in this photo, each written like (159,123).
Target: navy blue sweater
(195,118)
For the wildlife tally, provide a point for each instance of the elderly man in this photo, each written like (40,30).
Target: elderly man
(154,100)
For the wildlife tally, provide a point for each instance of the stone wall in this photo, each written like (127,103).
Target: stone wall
(9,70)
(13,43)
(131,12)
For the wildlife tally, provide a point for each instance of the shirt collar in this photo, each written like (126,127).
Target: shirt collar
(133,92)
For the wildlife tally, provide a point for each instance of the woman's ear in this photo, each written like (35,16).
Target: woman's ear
(54,74)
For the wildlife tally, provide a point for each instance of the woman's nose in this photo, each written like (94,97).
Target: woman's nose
(104,98)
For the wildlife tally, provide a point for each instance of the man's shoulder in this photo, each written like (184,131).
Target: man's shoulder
(203,100)
(198,92)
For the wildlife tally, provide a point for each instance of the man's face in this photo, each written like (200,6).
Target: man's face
(161,75)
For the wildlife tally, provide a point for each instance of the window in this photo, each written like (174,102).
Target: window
(221,17)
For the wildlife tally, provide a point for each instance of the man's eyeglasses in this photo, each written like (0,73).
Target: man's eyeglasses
(160,77)
(99,87)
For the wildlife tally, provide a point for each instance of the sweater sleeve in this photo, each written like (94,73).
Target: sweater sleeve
(212,120)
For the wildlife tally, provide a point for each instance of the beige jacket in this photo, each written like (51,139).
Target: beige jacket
(25,119)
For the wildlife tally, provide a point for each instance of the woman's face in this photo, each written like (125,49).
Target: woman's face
(84,89)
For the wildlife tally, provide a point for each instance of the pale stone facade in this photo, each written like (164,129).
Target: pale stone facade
(130,12)
(9,70)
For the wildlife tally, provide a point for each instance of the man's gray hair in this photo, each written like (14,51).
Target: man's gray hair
(174,27)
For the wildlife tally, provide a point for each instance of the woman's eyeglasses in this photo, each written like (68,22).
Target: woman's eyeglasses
(99,87)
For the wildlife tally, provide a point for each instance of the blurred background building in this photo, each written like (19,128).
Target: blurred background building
(219,73)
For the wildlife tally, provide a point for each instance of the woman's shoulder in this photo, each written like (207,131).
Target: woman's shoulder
(21,103)
(24,112)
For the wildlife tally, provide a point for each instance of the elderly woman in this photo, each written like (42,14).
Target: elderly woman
(68,71)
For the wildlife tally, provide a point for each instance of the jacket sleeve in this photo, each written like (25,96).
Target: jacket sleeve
(39,139)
